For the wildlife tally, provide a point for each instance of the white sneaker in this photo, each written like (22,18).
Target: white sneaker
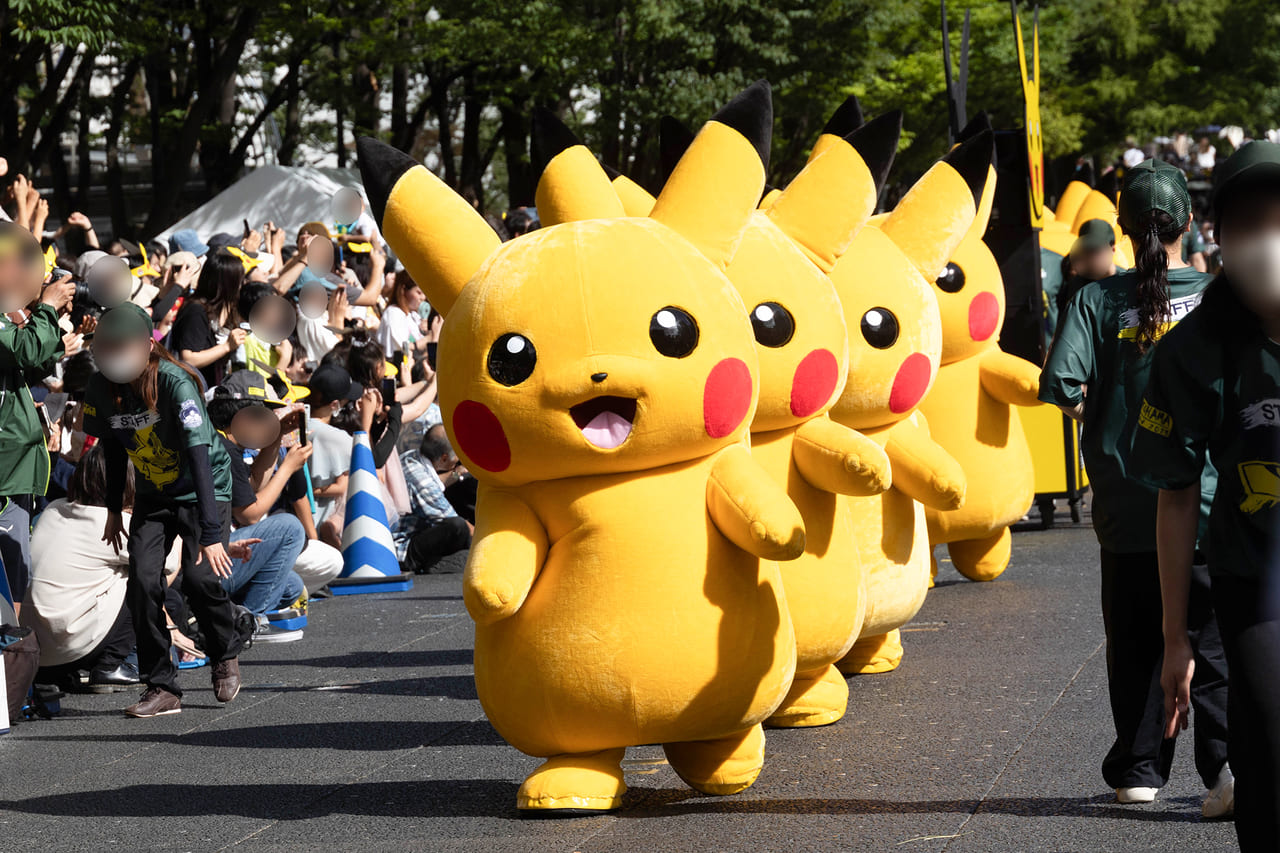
(1221,799)
(1129,796)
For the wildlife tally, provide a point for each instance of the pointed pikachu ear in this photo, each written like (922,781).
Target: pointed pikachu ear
(673,140)
(1096,205)
(717,183)
(979,123)
(845,120)
(439,238)
(935,214)
(572,185)
(826,205)
(636,200)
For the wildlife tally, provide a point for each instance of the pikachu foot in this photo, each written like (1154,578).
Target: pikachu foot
(870,655)
(719,767)
(982,559)
(575,784)
(817,698)
(933,568)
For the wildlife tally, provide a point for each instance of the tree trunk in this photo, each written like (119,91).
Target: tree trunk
(114,176)
(515,143)
(472,173)
(292,116)
(439,97)
(400,107)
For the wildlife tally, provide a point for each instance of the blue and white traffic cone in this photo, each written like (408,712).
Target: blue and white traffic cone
(368,551)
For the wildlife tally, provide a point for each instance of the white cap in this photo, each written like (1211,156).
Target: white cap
(87,260)
(1133,157)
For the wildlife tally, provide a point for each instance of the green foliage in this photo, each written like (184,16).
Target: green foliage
(466,73)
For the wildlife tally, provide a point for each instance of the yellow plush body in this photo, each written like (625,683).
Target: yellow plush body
(895,344)
(802,346)
(972,408)
(598,378)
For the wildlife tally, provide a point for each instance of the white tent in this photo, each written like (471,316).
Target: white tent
(289,196)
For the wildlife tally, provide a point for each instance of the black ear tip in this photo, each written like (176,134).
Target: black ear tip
(972,160)
(751,114)
(877,143)
(846,119)
(977,124)
(548,137)
(380,167)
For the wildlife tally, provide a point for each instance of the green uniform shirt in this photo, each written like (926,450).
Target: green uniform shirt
(1097,348)
(1217,400)
(1050,283)
(156,440)
(1192,242)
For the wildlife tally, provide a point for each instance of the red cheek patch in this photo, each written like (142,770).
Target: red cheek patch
(910,383)
(814,383)
(984,312)
(481,436)
(726,399)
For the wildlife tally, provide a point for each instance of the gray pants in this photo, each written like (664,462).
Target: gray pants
(15,544)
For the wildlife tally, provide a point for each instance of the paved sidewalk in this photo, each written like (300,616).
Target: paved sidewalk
(367,736)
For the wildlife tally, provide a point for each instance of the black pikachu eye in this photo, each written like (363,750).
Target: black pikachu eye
(772,324)
(674,332)
(511,359)
(880,328)
(951,280)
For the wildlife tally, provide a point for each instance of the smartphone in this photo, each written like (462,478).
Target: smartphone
(46,425)
(246,228)
(302,428)
(432,346)
(388,392)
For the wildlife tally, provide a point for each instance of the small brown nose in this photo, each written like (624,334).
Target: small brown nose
(599,377)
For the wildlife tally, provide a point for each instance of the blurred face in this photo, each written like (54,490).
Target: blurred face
(255,427)
(1094,264)
(1250,241)
(21,267)
(110,282)
(272,318)
(122,361)
(313,301)
(413,299)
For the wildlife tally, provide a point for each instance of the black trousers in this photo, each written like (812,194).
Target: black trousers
(1250,621)
(154,527)
(1132,614)
(429,545)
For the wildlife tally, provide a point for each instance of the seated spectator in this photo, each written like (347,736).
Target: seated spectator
(432,530)
(76,603)
(263,491)
(331,388)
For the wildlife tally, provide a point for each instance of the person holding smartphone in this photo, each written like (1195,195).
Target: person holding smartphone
(1214,396)
(30,345)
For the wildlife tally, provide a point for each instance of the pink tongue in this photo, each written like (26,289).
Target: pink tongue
(607,430)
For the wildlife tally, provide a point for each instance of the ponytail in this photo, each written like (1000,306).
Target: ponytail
(1151,262)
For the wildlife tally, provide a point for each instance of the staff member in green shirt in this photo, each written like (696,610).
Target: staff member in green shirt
(1096,372)
(144,404)
(1214,396)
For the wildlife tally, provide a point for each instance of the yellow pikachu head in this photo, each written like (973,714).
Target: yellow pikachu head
(779,266)
(970,289)
(884,282)
(599,346)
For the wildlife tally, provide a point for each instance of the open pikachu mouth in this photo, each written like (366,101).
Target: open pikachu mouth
(605,421)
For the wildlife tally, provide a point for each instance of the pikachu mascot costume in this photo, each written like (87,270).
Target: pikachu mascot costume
(598,378)
(802,343)
(972,406)
(895,344)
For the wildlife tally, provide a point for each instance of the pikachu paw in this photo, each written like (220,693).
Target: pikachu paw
(574,784)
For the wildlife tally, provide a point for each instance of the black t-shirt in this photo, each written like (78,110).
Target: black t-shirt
(242,493)
(193,331)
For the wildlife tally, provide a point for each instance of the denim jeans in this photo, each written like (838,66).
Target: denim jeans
(266,581)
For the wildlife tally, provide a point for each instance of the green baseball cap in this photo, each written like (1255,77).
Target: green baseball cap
(1254,164)
(1154,185)
(1095,234)
(124,322)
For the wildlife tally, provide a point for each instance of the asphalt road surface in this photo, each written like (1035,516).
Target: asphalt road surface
(367,735)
